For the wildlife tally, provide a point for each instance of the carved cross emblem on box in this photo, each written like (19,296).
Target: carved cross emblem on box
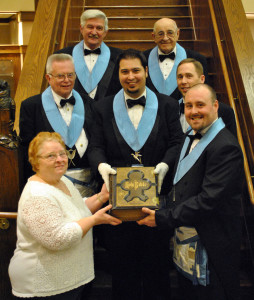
(136,185)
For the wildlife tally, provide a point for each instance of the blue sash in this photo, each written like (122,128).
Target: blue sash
(135,138)
(69,134)
(89,80)
(170,84)
(186,163)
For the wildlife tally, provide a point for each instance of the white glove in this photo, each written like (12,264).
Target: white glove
(161,170)
(105,170)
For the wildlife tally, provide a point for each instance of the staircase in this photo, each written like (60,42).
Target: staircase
(131,22)
(130,26)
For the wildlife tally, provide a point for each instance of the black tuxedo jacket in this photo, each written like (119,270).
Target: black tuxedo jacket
(208,198)
(108,145)
(190,54)
(34,120)
(109,84)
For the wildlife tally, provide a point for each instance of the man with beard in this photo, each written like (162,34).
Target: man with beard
(136,123)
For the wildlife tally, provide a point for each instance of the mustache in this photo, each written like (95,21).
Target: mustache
(93,36)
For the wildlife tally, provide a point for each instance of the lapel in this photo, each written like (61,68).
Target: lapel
(88,80)
(151,141)
(105,81)
(122,144)
(187,162)
(135,138)
(70,133)
(170,84)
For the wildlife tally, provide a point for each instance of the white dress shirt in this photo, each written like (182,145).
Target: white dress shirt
(202,132)
(166,66)
(135,112)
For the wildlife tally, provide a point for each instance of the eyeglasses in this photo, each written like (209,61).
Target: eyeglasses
(61,77)
(53,156)
(168,34)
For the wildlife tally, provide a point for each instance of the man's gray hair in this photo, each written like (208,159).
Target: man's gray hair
(92,14)
(57,57)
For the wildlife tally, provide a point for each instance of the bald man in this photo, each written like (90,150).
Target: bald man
(165,57)
(204,204)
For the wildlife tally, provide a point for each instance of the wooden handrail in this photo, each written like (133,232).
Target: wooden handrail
(41,45)
(8,215)
(231,100)
(61,44)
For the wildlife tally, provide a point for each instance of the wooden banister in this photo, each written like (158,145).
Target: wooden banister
(65,23)
(231,100)
(8,215)
(48,23)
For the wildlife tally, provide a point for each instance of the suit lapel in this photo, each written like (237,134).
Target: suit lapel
(136,139)
(187,162)
(124,148)
(149,145)
(169,85)
(105,81)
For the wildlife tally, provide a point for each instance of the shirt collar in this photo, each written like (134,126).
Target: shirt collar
(161,53)
(58,98)
(203,131)
(86,47)
(126,96)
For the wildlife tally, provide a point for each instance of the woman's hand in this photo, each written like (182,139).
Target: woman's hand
(101,216)
(104,194)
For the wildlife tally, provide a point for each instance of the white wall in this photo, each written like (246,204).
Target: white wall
(17,5)
(248,6)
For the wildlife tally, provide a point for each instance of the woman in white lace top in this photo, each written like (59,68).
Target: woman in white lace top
(54,253)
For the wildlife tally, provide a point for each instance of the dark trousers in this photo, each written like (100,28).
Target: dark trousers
(213,291)
(139,262)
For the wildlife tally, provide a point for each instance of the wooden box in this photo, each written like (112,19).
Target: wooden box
(131,189)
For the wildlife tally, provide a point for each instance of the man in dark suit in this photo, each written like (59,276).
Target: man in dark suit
(132,124)
(61,109)
(165,57)
(94,60)
(204,204)
(190,72)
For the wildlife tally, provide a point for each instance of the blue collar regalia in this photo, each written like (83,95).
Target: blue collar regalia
(71,133)
(135,138)
(90,80)
(170,84)
(186,163)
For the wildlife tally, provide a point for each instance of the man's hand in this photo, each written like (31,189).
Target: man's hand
(150,219)
(105,170)
(161,170)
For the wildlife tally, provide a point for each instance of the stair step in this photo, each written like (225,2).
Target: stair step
(131,2)
(170,10)
(134,22)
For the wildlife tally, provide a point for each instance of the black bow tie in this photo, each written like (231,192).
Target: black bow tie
(192,138)
(95,51)
(140,101)
(181,109)
(170,55)
(71,100)
(196,136)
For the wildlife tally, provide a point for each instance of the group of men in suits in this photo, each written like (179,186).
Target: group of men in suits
(113,107)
